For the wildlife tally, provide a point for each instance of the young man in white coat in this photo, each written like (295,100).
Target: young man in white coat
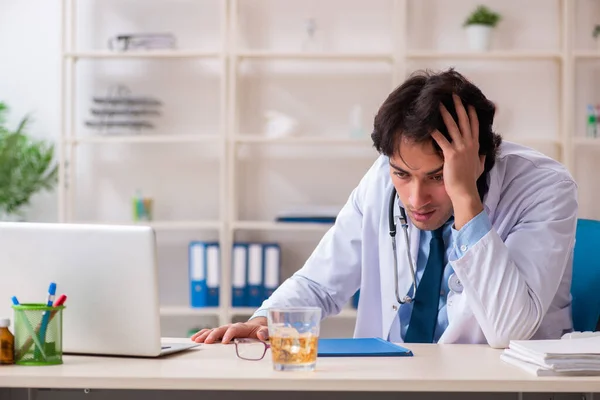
(491,228)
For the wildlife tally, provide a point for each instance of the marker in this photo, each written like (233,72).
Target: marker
(51,294)
(30,329)
(60,301)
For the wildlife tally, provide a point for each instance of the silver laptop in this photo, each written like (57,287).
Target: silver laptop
(108,273)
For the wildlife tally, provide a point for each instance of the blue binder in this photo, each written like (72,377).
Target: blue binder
(213,267)
(360,347)
(271,268)
(197,273)
(255,275)
(239,268)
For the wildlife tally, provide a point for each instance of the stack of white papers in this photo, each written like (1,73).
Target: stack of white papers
(569,357)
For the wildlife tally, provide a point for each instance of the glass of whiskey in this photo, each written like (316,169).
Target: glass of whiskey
(293,337)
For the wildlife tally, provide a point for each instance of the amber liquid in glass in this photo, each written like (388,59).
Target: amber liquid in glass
(295,350)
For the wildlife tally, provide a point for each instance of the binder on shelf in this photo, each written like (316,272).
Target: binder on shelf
(239,260)
(197,273)
(255,274)
(272,267)
(309,214)
(212,274)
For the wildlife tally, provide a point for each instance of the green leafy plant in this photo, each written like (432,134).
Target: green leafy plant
(596,31)
(26,165)
(482,15)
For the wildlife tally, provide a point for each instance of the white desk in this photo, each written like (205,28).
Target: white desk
(434,368)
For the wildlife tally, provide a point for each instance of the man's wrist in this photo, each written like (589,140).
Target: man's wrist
(466,208)
(258,320)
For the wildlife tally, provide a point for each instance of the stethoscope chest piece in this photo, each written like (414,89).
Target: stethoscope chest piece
(454,284)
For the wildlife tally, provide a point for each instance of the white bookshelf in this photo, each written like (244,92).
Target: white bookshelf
(586,142)
(230,137)
(166,225)
(144,139)
(183,311)
(491,55)
(148,54)
(591,55)
(316,140)
(279,226)
(353,57)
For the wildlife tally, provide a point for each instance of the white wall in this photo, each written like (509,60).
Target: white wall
(182,177)
(30,75)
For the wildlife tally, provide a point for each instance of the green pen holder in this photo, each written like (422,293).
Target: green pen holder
(32,346)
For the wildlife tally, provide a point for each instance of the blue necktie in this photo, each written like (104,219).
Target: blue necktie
(423,318)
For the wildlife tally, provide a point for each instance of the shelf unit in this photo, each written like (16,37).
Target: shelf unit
(279,226)
(301,140)
(144,139)
(168,225)
(216,311)
(275,55)
(491,55)
(147,54)
(230,139)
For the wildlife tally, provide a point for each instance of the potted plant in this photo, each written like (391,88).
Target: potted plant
(595,34)
(26,167)
(479,26)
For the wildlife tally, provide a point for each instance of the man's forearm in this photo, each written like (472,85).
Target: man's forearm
(504,305)
(465,209)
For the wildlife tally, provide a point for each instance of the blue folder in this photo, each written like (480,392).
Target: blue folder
(360,347)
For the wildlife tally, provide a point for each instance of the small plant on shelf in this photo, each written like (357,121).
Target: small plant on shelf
(479,25)
(596,35)
(482,15)
(26,167)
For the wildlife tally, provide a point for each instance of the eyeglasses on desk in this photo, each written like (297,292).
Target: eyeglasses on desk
(250,349)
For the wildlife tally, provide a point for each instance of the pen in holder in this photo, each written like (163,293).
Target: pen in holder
(30,348)
(142,208)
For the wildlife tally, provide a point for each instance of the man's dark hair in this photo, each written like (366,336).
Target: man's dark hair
(411,112)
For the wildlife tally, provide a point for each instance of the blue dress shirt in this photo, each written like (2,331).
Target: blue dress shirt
(456,243)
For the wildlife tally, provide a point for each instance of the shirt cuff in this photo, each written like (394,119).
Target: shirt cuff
(261,312)
(470,234)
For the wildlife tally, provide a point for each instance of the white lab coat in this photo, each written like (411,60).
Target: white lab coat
(516,279)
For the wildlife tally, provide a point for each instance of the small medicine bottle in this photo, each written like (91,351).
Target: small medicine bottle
(7,343)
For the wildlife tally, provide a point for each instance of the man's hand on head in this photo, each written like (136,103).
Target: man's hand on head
(462,163)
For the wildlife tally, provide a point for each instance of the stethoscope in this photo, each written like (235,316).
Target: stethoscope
(453,282)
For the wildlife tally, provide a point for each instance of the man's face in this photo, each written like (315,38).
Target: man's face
(416,171)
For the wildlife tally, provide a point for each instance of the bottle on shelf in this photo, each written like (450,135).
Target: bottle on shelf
(597,119)
(141,207)
(7,343)
(357,131)
(591,128)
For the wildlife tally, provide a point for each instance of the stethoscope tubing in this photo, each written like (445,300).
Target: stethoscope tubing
(392,226)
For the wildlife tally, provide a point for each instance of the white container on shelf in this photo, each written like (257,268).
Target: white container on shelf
(479,37)
(279,124)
